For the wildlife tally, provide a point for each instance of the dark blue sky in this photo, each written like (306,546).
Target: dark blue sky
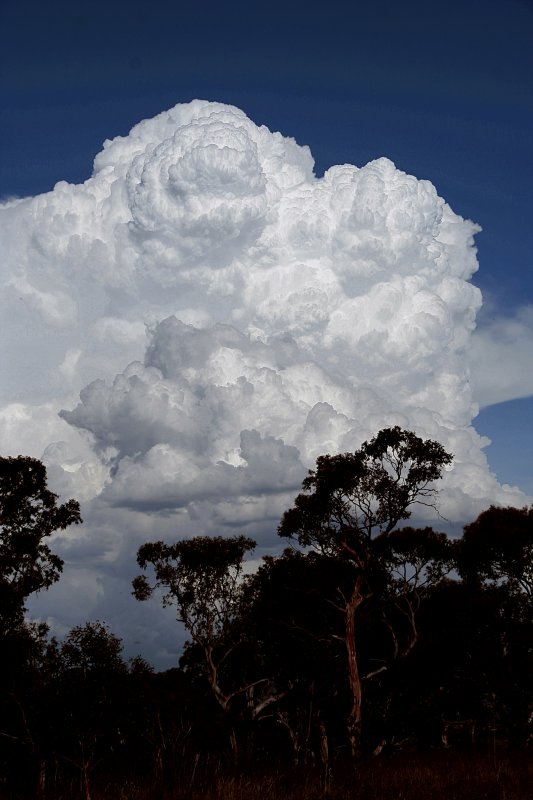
(444,90)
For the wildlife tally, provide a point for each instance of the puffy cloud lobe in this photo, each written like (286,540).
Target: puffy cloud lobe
(209,188)
(213,415)
(201,214)
(227,317)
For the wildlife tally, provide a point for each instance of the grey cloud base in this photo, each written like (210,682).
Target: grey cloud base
(210,317)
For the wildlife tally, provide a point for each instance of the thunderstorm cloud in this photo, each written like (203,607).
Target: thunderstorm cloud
(186,332)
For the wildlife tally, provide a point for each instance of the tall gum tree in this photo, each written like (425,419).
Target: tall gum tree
(202,578)
(349,509)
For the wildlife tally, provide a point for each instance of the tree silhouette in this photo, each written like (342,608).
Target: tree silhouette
(28,515)
(498,550)
(90,691)
(350,506)
(202,578)
(496,563)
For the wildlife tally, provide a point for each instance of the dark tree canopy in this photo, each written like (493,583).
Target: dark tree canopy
(370,637)
(29,513)
(498,549)
(92,647)
(200,576)
(351,497)
(414,558)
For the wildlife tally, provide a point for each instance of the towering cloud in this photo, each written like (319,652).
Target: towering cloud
(190,328)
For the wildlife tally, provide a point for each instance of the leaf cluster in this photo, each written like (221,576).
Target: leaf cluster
(201,577)
(29,514)
(498,549)
(351,497)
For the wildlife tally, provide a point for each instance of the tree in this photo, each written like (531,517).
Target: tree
(497,550)
(413,560)
(202,578)
(28,515)
(92,648)
(91,707)
(496,563)
(291,627)
(349,508)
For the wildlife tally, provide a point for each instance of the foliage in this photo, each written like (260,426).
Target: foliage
(349,509)
(498,549)
(394,639)
(352,497)
(201,577)
(92,647)
(29,514)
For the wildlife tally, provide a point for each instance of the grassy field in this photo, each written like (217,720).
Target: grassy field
(435,776)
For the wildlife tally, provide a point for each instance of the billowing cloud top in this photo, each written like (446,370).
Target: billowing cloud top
(228,316)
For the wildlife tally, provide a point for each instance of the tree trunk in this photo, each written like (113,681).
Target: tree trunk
(86,781)
(41,779)
(294,735)
(354,717)
(222,698)
(234,745)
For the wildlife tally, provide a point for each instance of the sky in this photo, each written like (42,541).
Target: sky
(336,237)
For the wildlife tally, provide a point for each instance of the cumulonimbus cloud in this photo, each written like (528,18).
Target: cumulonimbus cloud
(227,317)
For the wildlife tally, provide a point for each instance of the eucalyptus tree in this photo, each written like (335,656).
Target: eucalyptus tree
(349,510)
(203,579)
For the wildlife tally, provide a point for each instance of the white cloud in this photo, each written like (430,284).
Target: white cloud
(227,317)
(56,308)
(501,358)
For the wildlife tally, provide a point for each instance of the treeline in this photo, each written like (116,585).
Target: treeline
(365,636)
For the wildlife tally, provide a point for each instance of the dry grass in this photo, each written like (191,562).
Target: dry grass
(436,776)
